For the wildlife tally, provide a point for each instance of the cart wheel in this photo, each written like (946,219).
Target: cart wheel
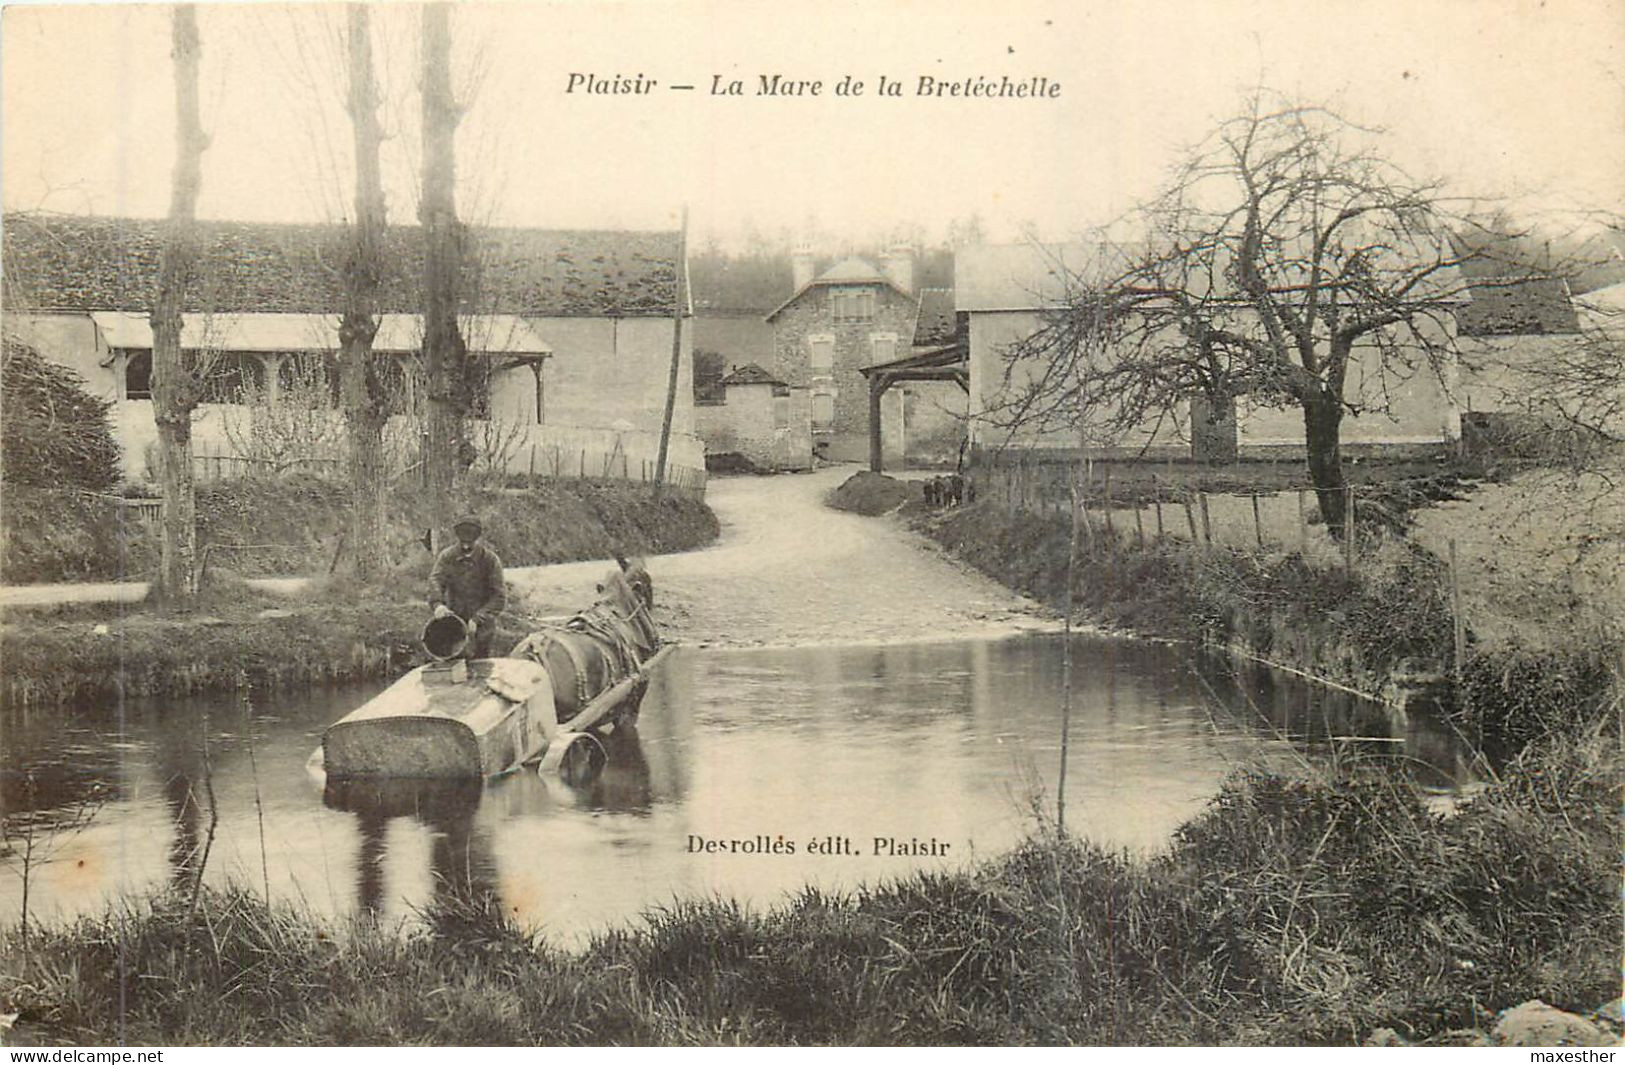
(577,757)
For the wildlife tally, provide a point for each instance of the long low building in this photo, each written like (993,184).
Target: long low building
(1006,293)
(571,330)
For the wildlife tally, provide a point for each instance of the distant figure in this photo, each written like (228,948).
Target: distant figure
(956,490)
(467,581)
(932,492)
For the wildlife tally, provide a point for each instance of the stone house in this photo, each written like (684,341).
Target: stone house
(853,314)
(571,330)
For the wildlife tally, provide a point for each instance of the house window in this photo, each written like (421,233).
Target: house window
(822,358)
(137,375)
(823,410)
(852,303)
(883,346)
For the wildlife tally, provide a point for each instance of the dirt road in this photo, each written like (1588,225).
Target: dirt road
(788,570)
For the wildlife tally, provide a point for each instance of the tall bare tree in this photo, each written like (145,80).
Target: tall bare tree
(363,382)
(1287,261)
(445,355)
(178,376)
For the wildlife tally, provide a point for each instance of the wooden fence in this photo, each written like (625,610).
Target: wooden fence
(211,462)
(1144,504)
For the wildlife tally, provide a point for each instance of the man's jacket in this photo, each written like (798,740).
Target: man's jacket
(470,585)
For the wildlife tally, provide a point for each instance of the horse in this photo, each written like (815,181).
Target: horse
(588,653)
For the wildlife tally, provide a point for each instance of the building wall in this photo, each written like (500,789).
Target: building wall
(922,422)
(773,431)
(810,315)
(991,334)
(603,372)
(1422,405)
(1421,408)
(69,340)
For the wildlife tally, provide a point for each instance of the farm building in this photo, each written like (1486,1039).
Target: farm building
(571,330)
(1005,292)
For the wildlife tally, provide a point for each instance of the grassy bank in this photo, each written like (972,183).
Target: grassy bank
(1389,615)
(294,525)
(333,632)
(85,654)
(1307,910)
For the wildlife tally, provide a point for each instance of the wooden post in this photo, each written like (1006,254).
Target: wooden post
(1160,531)
(533,465)
(582,475)
(1139,525)
(1106,490)
(877,389)
(1190,518)
(1348,526)
(678,306)
(1303,524)
(1258,523)
(1459,626)
(1207,522)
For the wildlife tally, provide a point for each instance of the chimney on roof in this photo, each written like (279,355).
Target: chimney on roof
(898,265)
(801,269)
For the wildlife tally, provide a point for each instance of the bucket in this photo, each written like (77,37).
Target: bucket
(445,636)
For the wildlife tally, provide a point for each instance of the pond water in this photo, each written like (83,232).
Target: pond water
(751,773)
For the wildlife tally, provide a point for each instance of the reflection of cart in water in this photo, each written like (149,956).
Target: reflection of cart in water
(481,719)
(460,860)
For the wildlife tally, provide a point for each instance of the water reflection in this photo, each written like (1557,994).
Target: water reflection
(956,743)
(461,866)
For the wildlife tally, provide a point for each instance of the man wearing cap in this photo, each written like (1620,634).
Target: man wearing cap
(467,581)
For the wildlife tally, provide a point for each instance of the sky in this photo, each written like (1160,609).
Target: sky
(1501,98)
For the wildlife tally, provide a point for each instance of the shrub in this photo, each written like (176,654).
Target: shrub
(53,433)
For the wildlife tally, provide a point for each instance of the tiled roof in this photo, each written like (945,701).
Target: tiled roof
(69,262)
(751,374)
(936,323)
(851,271)
(1517,308)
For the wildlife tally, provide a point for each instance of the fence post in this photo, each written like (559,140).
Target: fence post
(583,475)
(1258,524)
(1207,522)
(1303,525)
(1458,625)
(1106,490)
(1190,518)
(1348,526)
(1139,524)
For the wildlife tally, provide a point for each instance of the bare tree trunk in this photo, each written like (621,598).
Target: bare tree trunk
(364,388)
(445,356)
(175,386)
(1322,426)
